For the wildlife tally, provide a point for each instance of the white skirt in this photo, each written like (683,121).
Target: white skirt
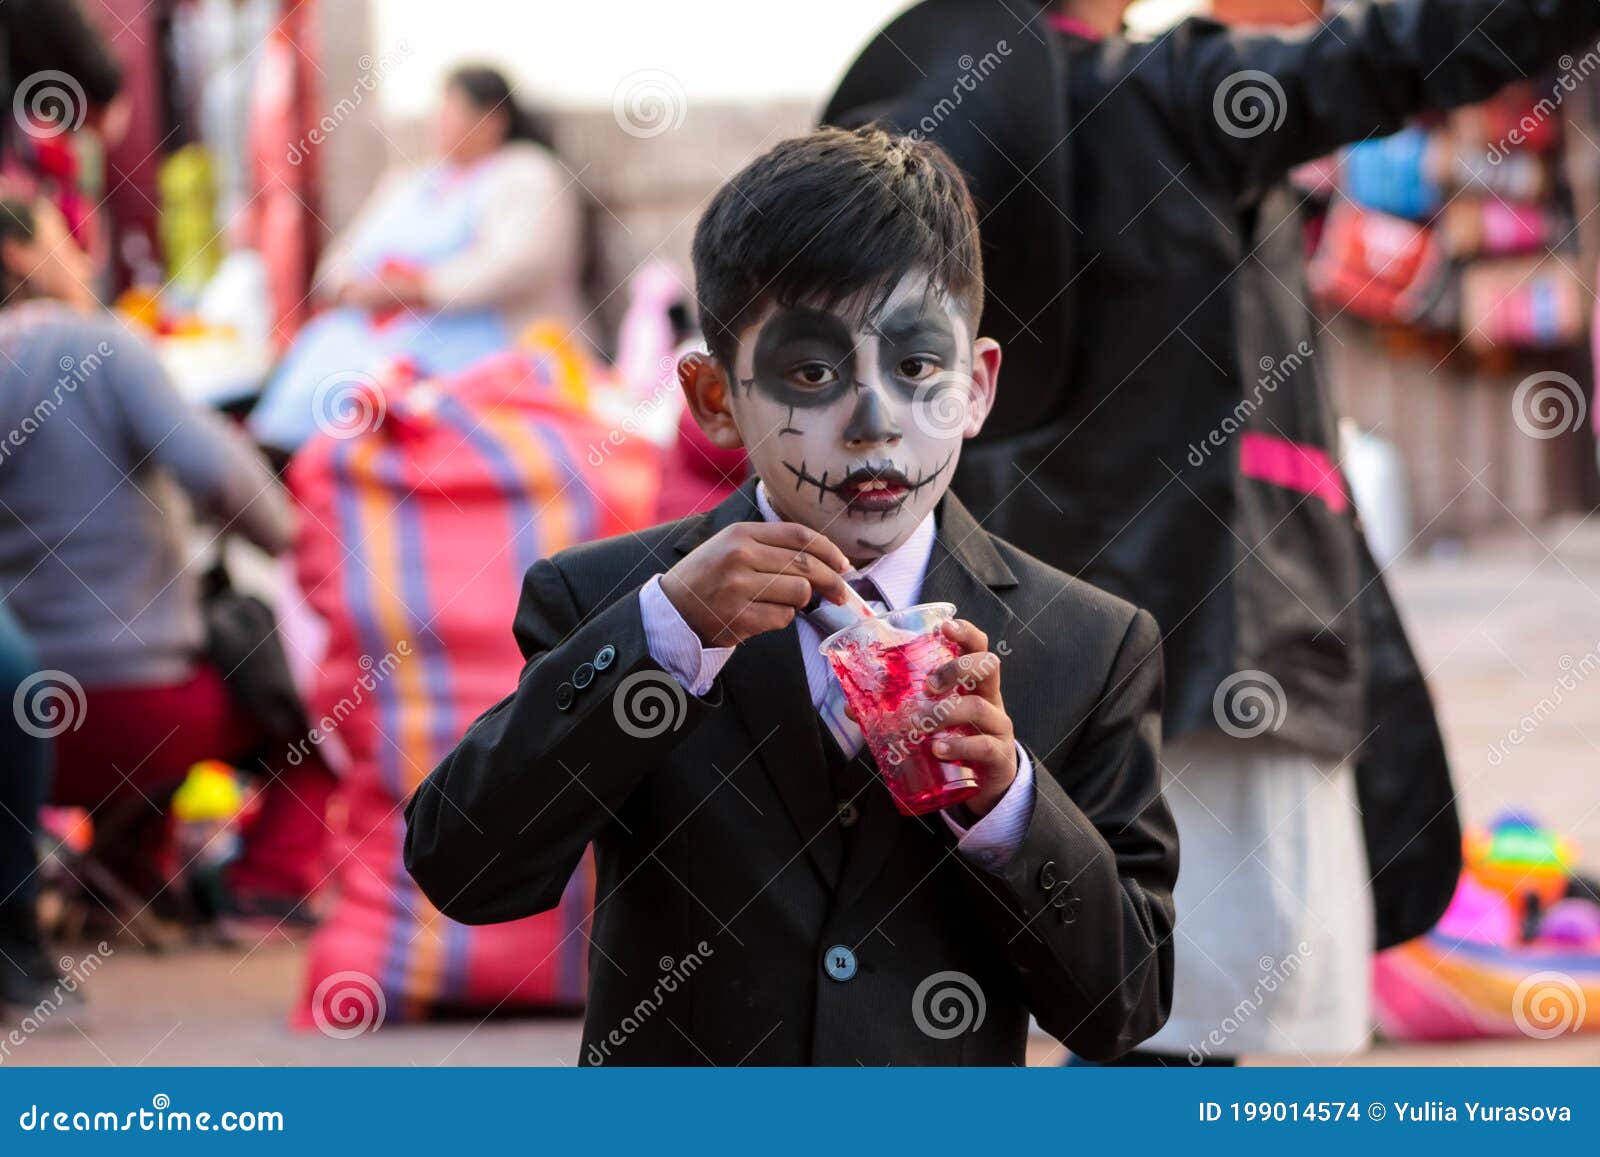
(1275,923)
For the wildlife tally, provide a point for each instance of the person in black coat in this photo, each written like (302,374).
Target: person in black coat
(1167,434)
(760,899)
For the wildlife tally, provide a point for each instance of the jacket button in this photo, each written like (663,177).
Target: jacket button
(583,676)
(1062,896)
(839,962)
(849,813)
(1047,875)
(1069,914)
(604,657)
(564,696)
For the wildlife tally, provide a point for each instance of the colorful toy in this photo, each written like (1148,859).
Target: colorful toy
(209,794)
(1517,858)
(207,807)
(1516,954)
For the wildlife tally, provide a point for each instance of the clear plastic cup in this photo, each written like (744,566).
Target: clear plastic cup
(883,664)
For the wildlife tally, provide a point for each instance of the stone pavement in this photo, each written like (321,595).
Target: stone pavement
(1508,629)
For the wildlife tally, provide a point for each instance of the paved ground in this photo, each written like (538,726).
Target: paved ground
(1509,628)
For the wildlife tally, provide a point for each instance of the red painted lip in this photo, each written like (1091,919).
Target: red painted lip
(877,499)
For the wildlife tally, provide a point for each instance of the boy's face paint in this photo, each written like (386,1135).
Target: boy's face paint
(856,428)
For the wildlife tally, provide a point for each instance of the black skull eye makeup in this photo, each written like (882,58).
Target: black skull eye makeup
(803,358)
(915,342)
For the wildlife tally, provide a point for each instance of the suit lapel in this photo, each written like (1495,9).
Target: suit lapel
(965,569)
(766,681)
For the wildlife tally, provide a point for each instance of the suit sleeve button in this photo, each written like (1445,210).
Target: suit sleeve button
(1047,875)
(583,676)
(564,696)
(604,657)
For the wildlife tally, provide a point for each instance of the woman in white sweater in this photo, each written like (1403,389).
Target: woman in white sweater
(444,264)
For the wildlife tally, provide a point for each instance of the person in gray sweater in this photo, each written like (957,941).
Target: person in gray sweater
(104,471)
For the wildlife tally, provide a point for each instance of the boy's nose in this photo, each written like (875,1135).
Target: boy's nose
(870,421)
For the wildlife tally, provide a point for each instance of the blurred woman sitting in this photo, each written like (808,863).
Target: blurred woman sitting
(444,264)
(101,463)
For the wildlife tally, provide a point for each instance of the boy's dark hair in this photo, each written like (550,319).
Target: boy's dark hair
(829,216)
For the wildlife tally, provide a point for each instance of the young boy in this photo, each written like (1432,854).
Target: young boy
(760,900)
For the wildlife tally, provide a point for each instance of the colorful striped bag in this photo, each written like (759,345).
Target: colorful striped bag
(421,513)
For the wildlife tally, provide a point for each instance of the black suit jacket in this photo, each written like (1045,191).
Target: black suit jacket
(724,882)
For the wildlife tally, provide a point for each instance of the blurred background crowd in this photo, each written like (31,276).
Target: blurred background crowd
(322,321)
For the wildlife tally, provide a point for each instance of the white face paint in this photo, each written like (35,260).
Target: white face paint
(856,428)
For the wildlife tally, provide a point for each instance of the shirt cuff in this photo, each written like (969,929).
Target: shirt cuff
(992,841)
(673,643)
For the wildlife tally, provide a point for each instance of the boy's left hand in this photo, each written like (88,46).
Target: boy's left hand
(992,752)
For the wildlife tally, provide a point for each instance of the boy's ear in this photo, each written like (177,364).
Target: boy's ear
(985,376)
(706,389)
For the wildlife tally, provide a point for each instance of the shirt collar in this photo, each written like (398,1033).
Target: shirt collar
(898,575)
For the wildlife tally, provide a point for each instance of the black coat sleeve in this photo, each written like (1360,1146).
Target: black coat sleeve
(1084,906)
(1263,102)
(495,831)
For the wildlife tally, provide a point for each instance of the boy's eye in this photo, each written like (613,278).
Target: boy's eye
(917,368)
(815,374)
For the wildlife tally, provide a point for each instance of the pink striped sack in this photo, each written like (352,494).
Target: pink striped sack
(420,518)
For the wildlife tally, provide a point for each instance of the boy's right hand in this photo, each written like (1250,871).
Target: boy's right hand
(752,577)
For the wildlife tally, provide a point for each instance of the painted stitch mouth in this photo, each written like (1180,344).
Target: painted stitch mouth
(881,489)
